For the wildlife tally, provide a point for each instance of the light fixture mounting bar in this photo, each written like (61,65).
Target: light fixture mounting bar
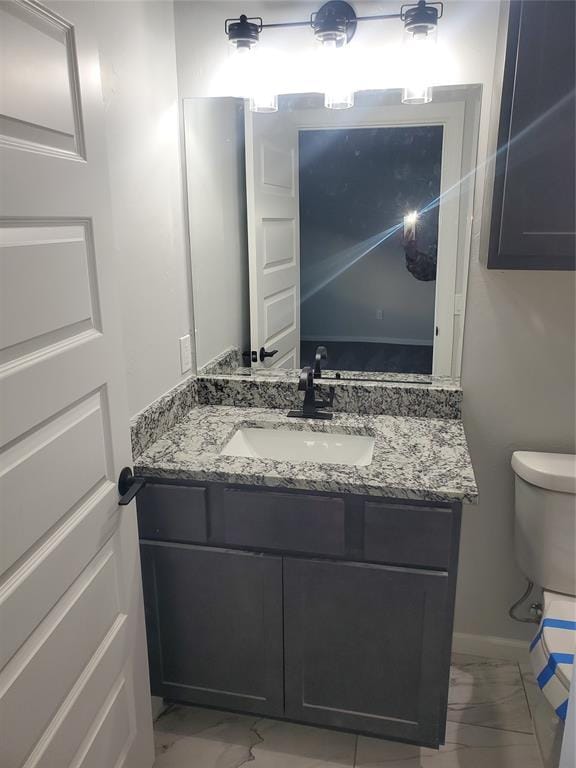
(380,17)
(282,24)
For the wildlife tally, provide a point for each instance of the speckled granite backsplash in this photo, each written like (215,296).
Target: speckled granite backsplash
(362,397)
(227,362)
(150,424)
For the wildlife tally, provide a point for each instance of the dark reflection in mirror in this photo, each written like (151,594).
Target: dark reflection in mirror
(367,278)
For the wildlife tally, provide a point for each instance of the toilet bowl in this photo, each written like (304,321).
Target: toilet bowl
(552,650)
(545,543)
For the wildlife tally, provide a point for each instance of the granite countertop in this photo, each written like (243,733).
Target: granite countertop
(414,458)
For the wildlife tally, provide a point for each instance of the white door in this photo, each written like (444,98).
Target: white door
(273,238)
(74,686)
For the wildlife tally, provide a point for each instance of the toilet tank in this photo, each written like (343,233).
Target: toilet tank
(545,519)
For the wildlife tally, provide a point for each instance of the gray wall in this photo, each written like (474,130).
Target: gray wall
(346,308)
(140,90)
(519,382)
(214,135)
(519,386)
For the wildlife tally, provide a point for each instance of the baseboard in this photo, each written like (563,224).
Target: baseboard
(370,339)
(158,706)
(490,646)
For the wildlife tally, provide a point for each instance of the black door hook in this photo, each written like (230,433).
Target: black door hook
(128,486)
(264,354)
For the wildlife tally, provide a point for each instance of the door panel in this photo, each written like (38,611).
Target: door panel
(71,444)
(43,109)
(69,566)
(113,730)
(364,648)
(273,237)
(214,622)
(86,702)
(69,636)
(32,258)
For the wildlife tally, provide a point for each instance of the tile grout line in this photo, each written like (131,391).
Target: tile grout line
(355,752)
(492,727)
(525,694)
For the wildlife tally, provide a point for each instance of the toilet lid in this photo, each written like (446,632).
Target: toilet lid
(553,648)
(554,471)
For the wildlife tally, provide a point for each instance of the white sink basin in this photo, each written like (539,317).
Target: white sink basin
(300,445)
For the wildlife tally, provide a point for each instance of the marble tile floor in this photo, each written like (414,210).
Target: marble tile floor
(489,726)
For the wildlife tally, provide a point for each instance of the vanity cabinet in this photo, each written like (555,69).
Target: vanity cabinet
(533,219)
(300,605)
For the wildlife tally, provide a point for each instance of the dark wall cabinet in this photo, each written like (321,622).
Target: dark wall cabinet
(533,214)
(317,608)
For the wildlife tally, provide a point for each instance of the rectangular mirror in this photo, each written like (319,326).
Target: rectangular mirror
(342,229)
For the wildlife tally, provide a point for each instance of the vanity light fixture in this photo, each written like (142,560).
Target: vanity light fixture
(243,34)
(334,25)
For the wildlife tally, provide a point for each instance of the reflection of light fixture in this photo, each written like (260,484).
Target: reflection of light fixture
(334,26)
(264,102)
(420,264)
(410,225)
(417,94)
(420,35)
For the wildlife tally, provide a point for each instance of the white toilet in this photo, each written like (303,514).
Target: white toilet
(545,541)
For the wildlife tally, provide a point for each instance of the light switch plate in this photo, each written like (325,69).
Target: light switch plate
(185,354)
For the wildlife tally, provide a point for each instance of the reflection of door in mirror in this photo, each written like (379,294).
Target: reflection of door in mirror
(330,261)
(273,239)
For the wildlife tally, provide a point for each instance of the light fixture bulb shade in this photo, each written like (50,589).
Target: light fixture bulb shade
(420,56)
(417,94)
(240,48)
(420,37)
(338,93)
(264,103)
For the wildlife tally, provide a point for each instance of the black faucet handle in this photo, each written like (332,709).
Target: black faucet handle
(306,381)
(320,354)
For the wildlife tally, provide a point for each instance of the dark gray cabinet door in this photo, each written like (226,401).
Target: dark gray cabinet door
(533,209)
(367,648)
(214,625)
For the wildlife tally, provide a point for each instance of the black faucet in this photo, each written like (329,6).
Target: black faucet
(320,354)
(311,408)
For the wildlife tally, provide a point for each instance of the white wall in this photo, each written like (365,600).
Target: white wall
(214,132)
(137,53)
(519,367)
